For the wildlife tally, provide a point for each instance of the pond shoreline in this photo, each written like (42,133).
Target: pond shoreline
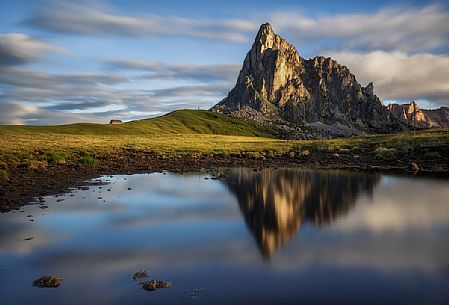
(25,183)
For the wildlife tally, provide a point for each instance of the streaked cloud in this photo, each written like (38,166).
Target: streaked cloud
(16,48)
(36,97)
(27,88)
(96,19)
(398,29)
(397,75)
(176,71)
(29,78)
(12,112)
(201,90)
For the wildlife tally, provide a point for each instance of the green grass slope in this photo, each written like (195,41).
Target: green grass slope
(176,122)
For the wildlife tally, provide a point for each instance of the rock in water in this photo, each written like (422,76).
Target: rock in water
(277,86)
(140,274)
(48,281)
(152,285)
(414,167)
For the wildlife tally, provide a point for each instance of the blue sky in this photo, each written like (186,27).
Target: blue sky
(72,61)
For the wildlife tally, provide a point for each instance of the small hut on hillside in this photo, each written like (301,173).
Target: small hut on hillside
(115,122)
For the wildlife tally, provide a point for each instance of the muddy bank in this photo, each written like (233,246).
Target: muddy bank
(25,183)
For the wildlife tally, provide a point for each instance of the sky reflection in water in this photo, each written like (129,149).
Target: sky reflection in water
(276,236)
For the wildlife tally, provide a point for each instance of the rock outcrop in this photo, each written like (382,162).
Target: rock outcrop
(438,117)
(48,281)
(415,117)
(277,86)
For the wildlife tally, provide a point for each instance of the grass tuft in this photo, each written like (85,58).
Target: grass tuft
(3,174)
(384,153)
(432,155)
(56,158)
(87,161)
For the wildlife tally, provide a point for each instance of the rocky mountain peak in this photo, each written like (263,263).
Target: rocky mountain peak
(277,86)
(265,32)
(415,117)
(413,107)
(267,39)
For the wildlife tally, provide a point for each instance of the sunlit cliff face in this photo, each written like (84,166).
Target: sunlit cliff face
(276,203)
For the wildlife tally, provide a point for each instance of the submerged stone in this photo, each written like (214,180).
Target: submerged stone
(152,285)
(48,281)
(140,274)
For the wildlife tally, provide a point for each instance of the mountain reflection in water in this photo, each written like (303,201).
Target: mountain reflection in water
(275,203)
(388,242)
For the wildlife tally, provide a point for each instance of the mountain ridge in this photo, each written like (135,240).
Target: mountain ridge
(417,118)
(279,87)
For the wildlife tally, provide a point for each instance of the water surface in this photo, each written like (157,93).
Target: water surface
(281,236)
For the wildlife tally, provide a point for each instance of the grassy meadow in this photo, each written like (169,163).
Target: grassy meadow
(188,132)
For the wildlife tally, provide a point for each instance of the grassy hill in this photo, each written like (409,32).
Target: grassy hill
(176,122)
(194,132)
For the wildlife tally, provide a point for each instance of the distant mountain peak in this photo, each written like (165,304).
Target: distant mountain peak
(415,117)
(276,85)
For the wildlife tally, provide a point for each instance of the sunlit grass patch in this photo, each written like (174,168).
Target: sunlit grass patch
(384,152)
(87,161)
(3,174)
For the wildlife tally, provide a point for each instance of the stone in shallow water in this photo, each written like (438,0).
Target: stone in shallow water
(414,167)
(48,281)
(152,285)
(140,274)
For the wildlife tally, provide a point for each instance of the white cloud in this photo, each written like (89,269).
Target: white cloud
(397,75)
(163,70)
(36,97)
(403,29)
(18,48)
(65,17)
(388,29)
(11,112)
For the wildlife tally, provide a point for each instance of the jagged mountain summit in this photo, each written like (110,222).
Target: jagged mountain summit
(276,85)
(415,117)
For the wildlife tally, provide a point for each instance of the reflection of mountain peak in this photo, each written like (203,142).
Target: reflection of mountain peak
(275,203)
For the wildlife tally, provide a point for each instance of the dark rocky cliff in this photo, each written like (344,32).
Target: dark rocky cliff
(277,86)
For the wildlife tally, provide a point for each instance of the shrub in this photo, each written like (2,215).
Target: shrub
(35,164)
(317,147)
(432,155)
(305,153)
(3,174)
(56,158)
(87,161)
(403,146)
(254,155)
(384,152)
